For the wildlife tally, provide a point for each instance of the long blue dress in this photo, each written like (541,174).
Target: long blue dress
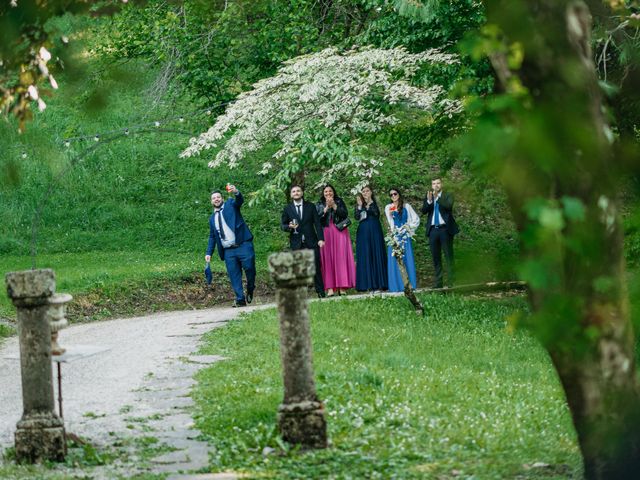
(395,279)
(371,261)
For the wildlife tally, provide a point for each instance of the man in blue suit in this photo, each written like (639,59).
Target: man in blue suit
(229,232)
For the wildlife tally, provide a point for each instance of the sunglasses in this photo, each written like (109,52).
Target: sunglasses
(393,194)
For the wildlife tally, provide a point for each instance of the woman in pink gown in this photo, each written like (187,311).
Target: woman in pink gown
(336,257)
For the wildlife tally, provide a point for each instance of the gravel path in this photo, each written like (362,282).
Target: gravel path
(140,386)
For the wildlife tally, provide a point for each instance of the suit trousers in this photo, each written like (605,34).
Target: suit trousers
(317,278)
(440,240)
(238,259)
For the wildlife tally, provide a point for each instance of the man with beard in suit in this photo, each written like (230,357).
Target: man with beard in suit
(300,218)
(229,232)
(441,228)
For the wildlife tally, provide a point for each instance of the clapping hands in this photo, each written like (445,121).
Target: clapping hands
(329,204)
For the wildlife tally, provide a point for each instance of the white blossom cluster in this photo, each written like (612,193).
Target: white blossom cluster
(341,92)
(41,59)
(397,238)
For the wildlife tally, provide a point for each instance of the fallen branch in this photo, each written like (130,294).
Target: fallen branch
(480,287)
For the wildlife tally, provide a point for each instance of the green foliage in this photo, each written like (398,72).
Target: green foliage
(550,160)
(616,45)
(87,461)
(423,25)
(6,331)
(28,28)
(405,397)
(218,49)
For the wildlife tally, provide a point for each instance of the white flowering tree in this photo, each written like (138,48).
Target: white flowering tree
(316,108)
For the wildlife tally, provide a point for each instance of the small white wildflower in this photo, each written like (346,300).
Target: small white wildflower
(33,92)
(44,54)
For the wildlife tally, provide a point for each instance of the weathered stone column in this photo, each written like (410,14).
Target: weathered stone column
(301,416)
(40,434)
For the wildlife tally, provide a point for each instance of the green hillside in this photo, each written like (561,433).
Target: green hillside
(124,220)
(132,210)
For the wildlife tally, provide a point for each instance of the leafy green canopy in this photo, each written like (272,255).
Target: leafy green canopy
(218,49)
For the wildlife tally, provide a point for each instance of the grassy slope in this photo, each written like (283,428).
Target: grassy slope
(405,397)
(134,210)
(129,221)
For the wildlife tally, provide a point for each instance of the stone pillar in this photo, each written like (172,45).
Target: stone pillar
(40,432)
(301,417)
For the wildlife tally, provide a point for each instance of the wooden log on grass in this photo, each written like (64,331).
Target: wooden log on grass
(481,287)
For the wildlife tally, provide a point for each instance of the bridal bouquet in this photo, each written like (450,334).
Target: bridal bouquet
(396,239)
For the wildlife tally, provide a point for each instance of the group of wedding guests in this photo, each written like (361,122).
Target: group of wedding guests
(324,228)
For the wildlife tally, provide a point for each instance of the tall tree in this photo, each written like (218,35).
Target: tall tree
(554,152)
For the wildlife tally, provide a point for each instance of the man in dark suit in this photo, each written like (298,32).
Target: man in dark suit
(229,232)
(441,228)
(300,218)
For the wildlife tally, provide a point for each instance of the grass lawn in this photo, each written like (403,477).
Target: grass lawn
(456,394)
(126,282)
(106,283)
(88,462)
(84,272)
(5,331)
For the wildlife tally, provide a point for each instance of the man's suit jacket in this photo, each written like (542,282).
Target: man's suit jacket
(308,226)
(446,213)
(233,218)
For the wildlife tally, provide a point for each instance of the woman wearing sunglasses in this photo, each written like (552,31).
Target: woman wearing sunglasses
(403,217)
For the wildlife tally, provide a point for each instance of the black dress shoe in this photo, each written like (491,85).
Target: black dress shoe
(321,295)
(239,303)
(249,297)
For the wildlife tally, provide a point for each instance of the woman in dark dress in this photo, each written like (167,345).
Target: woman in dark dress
(371,254)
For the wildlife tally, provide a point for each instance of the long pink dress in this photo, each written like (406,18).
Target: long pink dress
(336,257)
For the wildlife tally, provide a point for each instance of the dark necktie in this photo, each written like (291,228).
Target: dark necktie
(299,212)
(220,229)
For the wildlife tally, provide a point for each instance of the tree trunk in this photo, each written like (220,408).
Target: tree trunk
(409,292)
(579,298)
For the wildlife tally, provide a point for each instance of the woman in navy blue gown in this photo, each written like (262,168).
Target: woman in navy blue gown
(371,255)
